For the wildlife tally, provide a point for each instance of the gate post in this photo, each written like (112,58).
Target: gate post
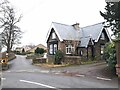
(118,58)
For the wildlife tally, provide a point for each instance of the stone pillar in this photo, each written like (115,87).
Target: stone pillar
(118,58)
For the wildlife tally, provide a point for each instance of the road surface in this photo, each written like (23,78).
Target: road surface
(22,74)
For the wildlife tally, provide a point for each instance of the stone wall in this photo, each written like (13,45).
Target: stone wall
(72,60)
(50,59)
(39,60)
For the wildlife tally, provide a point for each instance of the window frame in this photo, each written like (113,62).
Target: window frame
(53,48)
(69,49)
(102,49)
(53,35)
(102,36)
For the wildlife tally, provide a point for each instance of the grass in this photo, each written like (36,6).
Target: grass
(64,65)
(51,65)
(88,62)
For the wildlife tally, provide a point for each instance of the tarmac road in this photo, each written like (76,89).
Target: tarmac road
(22,74)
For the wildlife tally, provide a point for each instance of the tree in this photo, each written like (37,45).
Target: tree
(8,22)
(112,17)
(39,50)
(112,21)
(110,55)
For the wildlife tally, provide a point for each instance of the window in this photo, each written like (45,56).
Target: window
(102,49)
(53,48)
(81,53)
(102,36)
(53,35)
(69,49)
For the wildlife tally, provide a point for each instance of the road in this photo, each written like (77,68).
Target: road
(22,74)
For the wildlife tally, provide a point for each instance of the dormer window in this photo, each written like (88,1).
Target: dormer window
(53,35)
(102,36)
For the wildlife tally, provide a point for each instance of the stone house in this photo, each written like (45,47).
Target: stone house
(87,42)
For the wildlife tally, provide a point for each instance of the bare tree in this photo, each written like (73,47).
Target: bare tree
(8,22)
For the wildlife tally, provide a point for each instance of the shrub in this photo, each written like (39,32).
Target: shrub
(110,55)
(39,50)
(58,57)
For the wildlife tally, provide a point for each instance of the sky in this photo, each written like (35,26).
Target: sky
(39,14)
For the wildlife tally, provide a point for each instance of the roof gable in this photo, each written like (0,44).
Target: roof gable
(56,31)
(93,30)
(64,32)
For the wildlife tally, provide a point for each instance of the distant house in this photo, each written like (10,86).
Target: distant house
(87,42)
(39,46)
(19,49)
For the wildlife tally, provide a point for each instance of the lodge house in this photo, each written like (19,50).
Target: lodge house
(86,42)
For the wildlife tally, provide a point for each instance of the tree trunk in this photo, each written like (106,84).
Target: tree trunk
(118,58)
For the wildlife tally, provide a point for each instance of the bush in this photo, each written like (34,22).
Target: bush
(110,55)
(39,50)
(58,57)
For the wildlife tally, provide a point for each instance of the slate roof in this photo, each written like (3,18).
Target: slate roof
(68,32)
(92,31)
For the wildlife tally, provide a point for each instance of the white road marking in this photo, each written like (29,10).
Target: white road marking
(107,79)
(3,78)
(22,70)
(44,71)
(80,75)
(57,73)
(7,71)
(38,84)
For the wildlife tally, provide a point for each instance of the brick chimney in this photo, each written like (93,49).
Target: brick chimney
(76,26)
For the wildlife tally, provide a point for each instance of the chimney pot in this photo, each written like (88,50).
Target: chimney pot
(76,26)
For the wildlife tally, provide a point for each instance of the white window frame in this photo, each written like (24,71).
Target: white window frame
(81,53)
(69,49)
(55,48)
(103,36)
(53,35)
(102,49)
(51,49)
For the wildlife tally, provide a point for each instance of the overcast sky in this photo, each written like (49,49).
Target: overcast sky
(38,15)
